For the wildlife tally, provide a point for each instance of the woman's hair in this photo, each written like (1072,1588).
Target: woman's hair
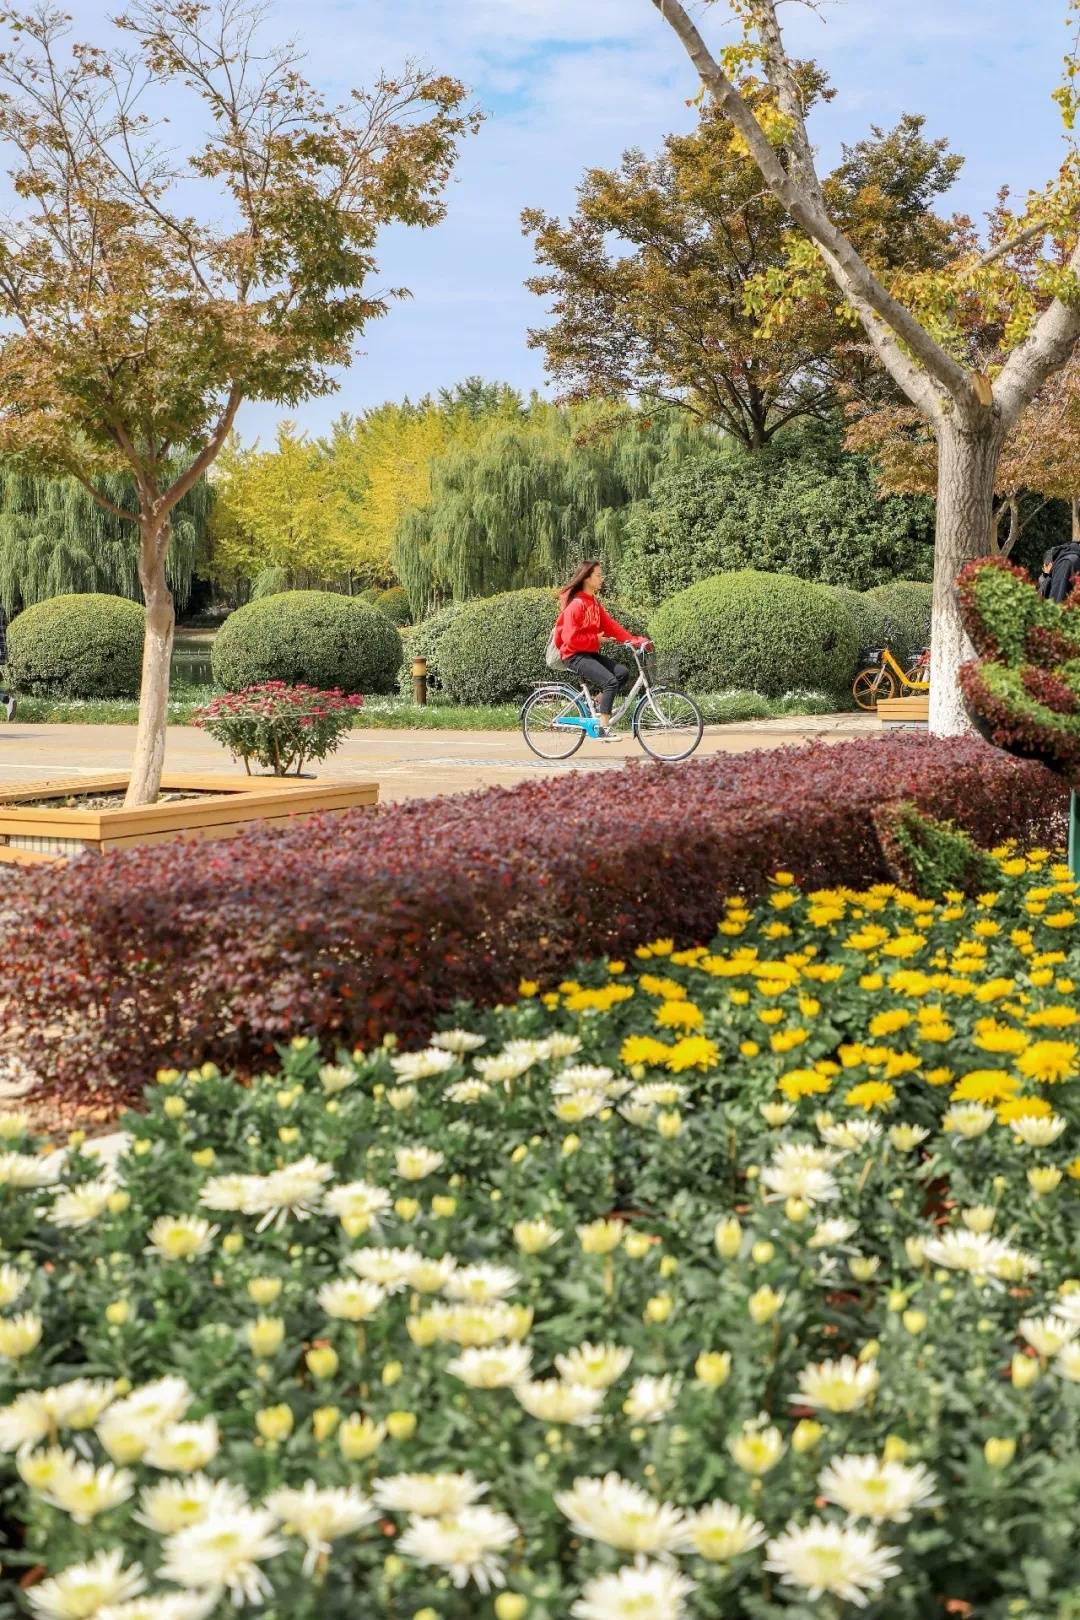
(577,583)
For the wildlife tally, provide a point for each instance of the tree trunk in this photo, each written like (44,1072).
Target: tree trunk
(967,462)
(146,767)
(1075,505)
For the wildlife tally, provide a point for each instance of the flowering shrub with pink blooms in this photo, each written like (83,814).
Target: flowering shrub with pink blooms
(277,726)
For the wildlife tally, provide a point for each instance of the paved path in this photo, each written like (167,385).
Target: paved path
(406,764)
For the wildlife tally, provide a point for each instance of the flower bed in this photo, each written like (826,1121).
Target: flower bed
(734,1281)
(362,924)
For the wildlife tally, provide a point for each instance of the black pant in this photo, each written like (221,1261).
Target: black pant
(600,672)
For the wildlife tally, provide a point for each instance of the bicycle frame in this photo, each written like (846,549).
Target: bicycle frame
(640,687)
(888,662)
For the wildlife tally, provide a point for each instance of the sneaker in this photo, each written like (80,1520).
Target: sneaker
(11,704)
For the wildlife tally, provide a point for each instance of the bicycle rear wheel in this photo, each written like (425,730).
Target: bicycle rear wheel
(871,685)
(668,724)
(539,716)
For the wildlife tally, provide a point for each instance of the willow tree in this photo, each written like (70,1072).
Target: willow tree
(532,496)
(145,296)
(56,538)
(915,323)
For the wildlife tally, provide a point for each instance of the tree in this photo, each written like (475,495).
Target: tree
(650,277)
(147,298)
(915,322)
(279,509)
(55,538)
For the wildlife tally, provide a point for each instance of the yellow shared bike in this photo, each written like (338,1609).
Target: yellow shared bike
(882,677)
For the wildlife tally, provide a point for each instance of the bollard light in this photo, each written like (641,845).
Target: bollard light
(419,679)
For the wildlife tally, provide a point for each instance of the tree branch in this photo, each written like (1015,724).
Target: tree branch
(1028,234)
(1046,348)
(885,319)
(103,500)
(189,479)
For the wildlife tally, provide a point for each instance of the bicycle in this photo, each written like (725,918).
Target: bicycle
(556,719)
(885,678)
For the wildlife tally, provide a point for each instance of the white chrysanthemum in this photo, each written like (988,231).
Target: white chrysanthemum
(907,1137)
(1067,1363)
(336,1077)
(84,1589)
(357,1201)
(229,1193)
(458,1041)
(297,1190)
(422,1065)
(162,1606)
(851,1134)
(978,1253)
(35,1414)
(164,1400)
(1048,1334)
(180,1237)
(758,1446)
(555,1048)
(181,1448)
(468,1091)
(81,1206)
(225,1552)
(19,1335)
(837,1386)
(642,1592)
(877,1489)
(351,1299)
(651,1398)
(968,1119)
(533,1236)
(838,1558)
(503,1068)
(174,1504)
(553,1401)
(583,1077)
(83,1491)
(595,1365)
(830,1234)
(1038,1130)
(430,1496)
(467,1544)
(428,1275)
(29,1170)
(638,1113)
(577,1107)
(389,1268)
(481,1282)
(1068,1307)
(621,1514)
(478,1324)
(414,1163)
(979,1217)
(720,1531)
(659,1094)
(793,1174)
(320,1516)
(38,1469)
(13,1284)
(495,1367)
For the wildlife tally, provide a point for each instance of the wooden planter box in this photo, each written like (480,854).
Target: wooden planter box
(905,711)
(225,806)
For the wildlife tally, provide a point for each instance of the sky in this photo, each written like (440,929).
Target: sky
(570,84)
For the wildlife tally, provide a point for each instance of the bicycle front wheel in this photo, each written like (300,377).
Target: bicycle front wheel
(871,685)
(668,724)
(540,722)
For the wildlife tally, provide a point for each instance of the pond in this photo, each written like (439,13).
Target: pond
(191,658)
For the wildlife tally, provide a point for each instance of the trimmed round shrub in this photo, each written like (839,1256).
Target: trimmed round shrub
(395,604)
(494,649)
(424,640)
(768,633)
(77,647)
(308,638)
(870,618)
(907,605)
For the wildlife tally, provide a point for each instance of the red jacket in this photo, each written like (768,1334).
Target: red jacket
(581,624)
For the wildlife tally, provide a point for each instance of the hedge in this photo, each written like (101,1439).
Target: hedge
(494,649)
(424,640)
(350,927)
(308,638)
(871,620)
(768,632)
(907,605)
(77,647)
(395,604)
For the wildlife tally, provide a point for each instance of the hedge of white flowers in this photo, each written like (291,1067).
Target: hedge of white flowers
(739,1281)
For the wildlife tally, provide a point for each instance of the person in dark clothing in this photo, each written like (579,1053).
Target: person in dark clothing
(6,698)
(1064,568)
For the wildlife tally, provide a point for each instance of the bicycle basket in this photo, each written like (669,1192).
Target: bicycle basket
(871,655)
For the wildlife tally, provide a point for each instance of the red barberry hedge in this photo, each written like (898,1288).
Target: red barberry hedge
(347,927)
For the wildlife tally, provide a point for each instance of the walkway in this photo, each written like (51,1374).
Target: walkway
(406,764)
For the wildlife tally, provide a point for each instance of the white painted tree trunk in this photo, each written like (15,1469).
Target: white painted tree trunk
(967,462)
(146,767)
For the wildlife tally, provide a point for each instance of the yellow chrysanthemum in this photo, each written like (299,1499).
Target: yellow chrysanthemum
(692,1052)
(985,1086)
(871,1094)
(992,1036)
(1048,1062)
(644,1049)
(679,1015)
(1017,1107)
(1053,1018)
(803,1083)
(666,989)
(887,1023)
(786,1040)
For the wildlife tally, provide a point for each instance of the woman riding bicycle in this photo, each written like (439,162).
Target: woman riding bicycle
(578,629)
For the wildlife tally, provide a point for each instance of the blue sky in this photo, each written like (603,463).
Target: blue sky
(568,84)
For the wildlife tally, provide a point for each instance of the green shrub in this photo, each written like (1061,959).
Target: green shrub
(932,857)
(802,506)
(768,632)
(77,647)
(395,604)
(308,638)
(494,649)
(906,604)
(871,621)
(424,640)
